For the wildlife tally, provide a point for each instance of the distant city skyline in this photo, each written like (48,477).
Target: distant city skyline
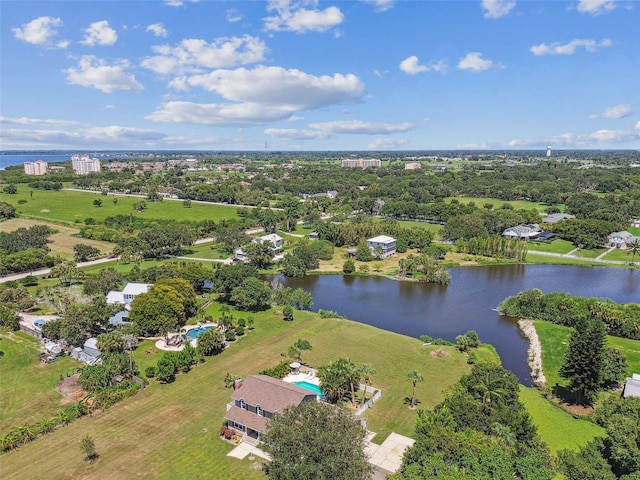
(307,75)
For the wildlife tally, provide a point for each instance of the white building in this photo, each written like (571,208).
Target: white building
(274,239)
(126,296)
(361,163)
(83,165)
(39,167)
(387,244)
(413,166)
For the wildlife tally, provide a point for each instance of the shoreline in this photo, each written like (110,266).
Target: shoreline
(534,353)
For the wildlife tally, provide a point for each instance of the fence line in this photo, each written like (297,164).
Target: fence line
(371,401)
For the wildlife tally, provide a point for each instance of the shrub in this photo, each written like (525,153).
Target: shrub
(230,336)
(287,313)
(239,331)
(150,372)
(348,267)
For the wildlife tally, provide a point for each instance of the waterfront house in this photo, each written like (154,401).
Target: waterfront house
(274,239)
(257,399)
(621,239)
(523,231)
(387,244)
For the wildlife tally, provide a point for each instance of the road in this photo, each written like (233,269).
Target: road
(46,271)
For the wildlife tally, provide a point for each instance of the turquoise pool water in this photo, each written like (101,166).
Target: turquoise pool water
(310,386)
(194,332)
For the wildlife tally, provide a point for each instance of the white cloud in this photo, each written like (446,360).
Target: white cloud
(583,140)
(95,137)
(178,3)
(381,5)
(192,55)
(361,128)
(292,16)
(278,86)
(157,29)
(596,7)
(233,15)
(473,61)
(259,96)
(62,44)
(37,121)
(571,47)
(411,65)
(96,73)
(497,8)
(38,31)
(100,33)
(387,143)
(617,111)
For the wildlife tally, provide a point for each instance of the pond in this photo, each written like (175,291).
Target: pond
(467,303)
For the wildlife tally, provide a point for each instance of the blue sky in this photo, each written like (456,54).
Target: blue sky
(316,75)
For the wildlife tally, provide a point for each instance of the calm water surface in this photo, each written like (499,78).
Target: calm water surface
(467,303)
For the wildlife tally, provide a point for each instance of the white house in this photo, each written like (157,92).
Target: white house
(275,240)
(126,296)
(621,239)
(387,244)
(632,386)
(524,231)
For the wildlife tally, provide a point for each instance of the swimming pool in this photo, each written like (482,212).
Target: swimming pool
(310,386)
(194,332)
(39,323)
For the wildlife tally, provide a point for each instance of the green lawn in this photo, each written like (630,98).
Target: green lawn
(27,392)
(555,246)
(204,250)
(554,339)
(554,424)
(171,431)
(497,203)
(590,253)
(68,206)
(621,256)
(534,258)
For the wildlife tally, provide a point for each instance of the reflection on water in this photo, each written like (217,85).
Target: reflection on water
(467,303)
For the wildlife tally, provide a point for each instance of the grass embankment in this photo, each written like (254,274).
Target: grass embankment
(171,431)
(60,243)
(556,427)
(27,392)
(71,206)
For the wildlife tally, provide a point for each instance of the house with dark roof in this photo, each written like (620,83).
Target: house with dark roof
(557,217)
(523,231)
(257,399)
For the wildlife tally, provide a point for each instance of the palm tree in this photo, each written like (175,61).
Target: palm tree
(47,425)
(366,370)
(295,350)
(414,377)
(633,248)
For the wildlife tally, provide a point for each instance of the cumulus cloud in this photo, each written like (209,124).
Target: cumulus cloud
(387,143)
(292,16)
(233,15)
(157,29)
(473,61)
(580,140)
(38,31)
(279,86)
(617,111)
(37,121)
(411,65)
(100,33)
(193,55)
(596,7)
(96,73)
(497,8)
(178,3)
(258,96)
(381,5)
(571,47)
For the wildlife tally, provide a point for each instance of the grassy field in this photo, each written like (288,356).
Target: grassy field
(204,250)
(517,204)
(620,255)
(554,340)
(71,206)
(171,431)
(556,246)
(60,243)
(27,392)
(554,424)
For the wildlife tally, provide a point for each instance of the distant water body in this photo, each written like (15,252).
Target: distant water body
(7,160)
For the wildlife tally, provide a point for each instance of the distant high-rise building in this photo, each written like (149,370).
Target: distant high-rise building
(412,166)
(83,165)
(548,151)
(39,167)
(361,163)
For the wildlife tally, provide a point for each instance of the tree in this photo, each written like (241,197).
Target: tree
(366,370)
(108,279)
(186,203)
(414,377)
(88,447)
(67,272)
(159,310)
(583,360)
(97,202)
(85,252)
(111,342)
(229,277)
(260,254)
(287,313)
(298,347)
(363,252)
(633,249)
(10,188)
(348,268)
(253,295)
(614,368)
(316,441)
(301,299)
(211,342)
